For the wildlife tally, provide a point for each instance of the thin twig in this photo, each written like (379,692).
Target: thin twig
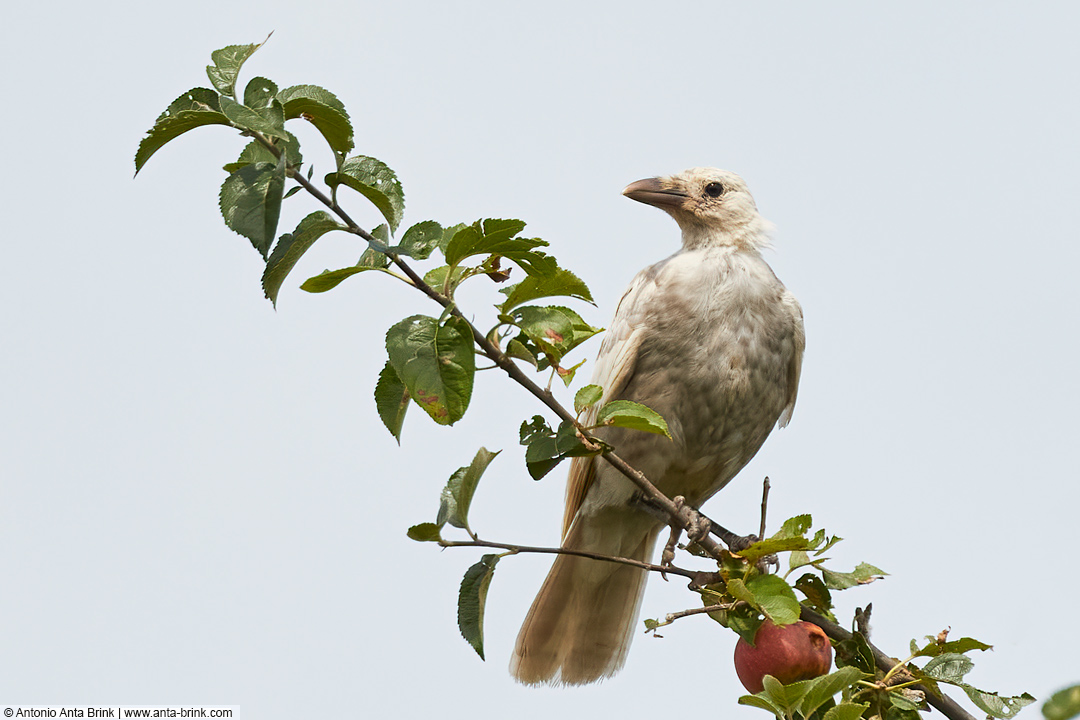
(764,507)
(672,617)
(577,553)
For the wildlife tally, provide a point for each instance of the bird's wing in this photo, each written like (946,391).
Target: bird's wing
(795,367)
(614,368)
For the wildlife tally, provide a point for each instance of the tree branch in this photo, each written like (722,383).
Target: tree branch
(943,703)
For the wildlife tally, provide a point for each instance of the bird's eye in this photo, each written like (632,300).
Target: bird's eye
(714,189)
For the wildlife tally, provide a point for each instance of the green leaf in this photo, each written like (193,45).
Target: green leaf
(950,667)
(448,235)
(562,283)
(855,652)
(496,237)
(330,279)
(822,689)
(370,260)
(292,246)
(627,414)
(268,121)
(554,330)
(420,240)
(259,93)
(436,363)
(425,532)
(1063,705)
(775,598)
(227,64)
(458,493)
(391,400)
(817,595)
(762,701)
(772,546)
(863,574)
(586,396)
(471,600)
(375,181)
(255,152)
(322,109)
(517,350)
(797,526)
(786,696)
(195,108)
(846,711)
(999,706)
(250,202)
(963,645)
(547,448)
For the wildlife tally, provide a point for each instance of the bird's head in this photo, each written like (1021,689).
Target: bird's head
(712,207)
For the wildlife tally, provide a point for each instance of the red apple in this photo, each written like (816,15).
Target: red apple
(789,653)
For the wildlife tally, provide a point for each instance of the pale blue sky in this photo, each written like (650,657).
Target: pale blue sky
(197,501)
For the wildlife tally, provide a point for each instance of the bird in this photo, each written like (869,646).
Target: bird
(713,341)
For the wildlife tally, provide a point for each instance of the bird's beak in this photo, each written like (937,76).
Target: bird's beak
(651,192)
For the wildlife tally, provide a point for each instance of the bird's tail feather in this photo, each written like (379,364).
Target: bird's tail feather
(582,621)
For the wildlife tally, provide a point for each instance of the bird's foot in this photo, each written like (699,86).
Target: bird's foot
(668,556)
(697,525)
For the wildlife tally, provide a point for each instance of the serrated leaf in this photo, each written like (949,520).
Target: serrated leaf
(999,706)
(436,363)
(496,237)
(950,667)
(796,526)
(863,574)
(786,696)
(846,711)
(227,64)
(322,109)
(255,152)
(250,202)
(546,449)
(391,400)
(822,689)
(855,652)
(292,246)
(370,259)
(471,601)
(775,598)
(438,278)
(762,701)
(377,182)
(586,396)
(195,108)
(259,93)
(817,595)
(460,488)
(517,350)
(425,532)
(330,279)
(1063,705)
(962,645)
(268,121)
(420,240)
(627,414)
(554,330)
(772,546)
(561,283)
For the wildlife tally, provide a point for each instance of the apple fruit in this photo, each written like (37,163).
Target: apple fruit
(789,653)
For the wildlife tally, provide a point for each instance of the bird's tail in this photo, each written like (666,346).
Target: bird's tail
(582,621)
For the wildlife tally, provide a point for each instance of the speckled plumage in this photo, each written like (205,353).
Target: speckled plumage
(711,340)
